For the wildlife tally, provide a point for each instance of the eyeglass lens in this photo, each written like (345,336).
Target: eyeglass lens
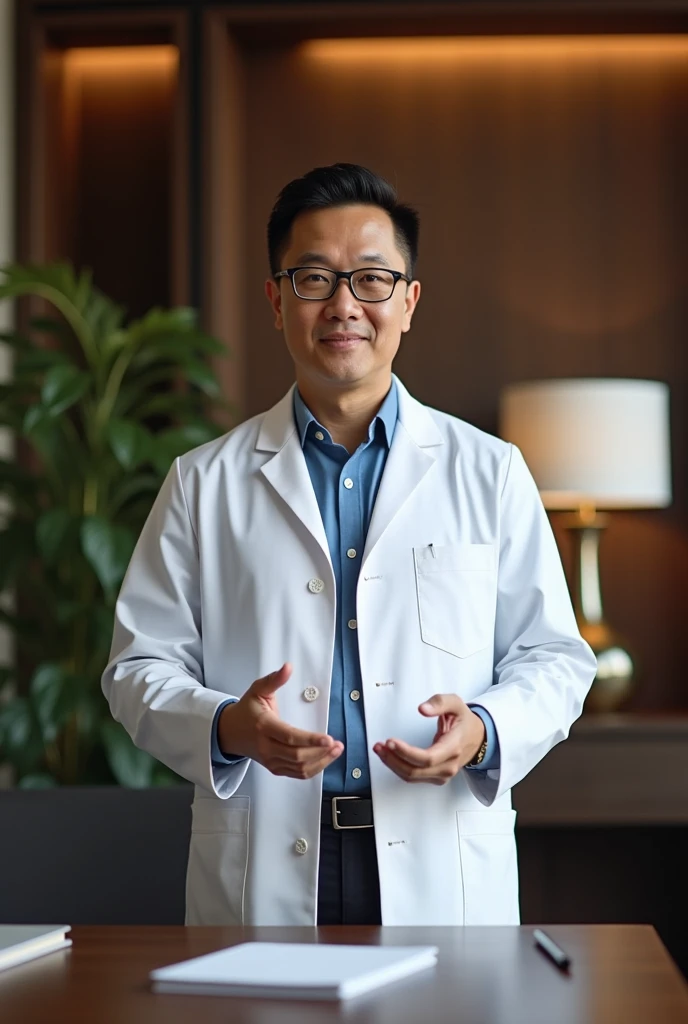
(368,283)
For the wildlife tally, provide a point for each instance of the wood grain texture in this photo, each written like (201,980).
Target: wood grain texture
(484,974)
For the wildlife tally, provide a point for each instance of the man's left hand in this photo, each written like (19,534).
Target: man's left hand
(460,734)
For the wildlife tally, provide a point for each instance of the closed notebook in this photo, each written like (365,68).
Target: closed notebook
(22,942)
(293,971)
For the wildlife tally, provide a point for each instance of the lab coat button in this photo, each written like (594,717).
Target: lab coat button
(315,586)
(311,693)
(301,846)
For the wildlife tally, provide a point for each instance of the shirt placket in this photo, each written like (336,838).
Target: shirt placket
(351,513)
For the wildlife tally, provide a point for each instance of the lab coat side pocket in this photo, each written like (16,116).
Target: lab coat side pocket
(218,861)
(487,847)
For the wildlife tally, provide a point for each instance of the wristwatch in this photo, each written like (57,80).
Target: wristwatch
(479,756)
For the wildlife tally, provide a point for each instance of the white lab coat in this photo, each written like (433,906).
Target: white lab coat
(217,595)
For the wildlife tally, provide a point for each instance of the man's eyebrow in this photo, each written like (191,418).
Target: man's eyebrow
(373,257)
(316,259)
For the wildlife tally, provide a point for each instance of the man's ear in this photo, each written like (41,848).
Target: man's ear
(411,301)
(274,297)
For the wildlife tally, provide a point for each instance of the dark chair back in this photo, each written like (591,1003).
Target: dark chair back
(94,855)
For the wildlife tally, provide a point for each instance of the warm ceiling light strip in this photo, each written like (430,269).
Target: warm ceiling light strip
(452,48)
(121,58)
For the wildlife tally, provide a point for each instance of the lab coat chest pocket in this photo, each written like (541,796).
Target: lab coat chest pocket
(218,860)
(487,848)
(456,589)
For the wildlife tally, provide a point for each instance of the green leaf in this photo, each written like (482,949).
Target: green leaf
(134,486)
(130,442)
(169,444)
(16,725)
(62,387)
(37,780)
(49,325)
(54,530)
(53,699)
(203,377)
(108,548)
(35,417)
(130,766)
(38,360)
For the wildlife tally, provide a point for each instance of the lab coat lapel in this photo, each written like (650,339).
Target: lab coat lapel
(287,471)
(410,459)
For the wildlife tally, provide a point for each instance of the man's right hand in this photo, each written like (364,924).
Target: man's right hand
(253,728)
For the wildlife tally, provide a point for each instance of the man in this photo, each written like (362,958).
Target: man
(346,621)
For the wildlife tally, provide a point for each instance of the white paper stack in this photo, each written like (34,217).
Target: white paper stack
(293,971)
(22,942)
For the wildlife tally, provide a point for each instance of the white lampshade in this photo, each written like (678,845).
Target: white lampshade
(599,442)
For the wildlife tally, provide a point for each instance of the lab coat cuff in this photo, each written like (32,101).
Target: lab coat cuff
(218,758)
(491,760)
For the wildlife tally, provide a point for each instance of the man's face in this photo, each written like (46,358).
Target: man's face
(342,342)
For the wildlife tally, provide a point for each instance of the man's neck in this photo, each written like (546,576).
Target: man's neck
(346,414)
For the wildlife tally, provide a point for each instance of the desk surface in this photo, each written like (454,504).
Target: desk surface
(621,973)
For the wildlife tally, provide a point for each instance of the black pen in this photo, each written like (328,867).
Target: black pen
(548,946)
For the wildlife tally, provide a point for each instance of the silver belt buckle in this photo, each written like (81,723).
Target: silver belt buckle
(335,812)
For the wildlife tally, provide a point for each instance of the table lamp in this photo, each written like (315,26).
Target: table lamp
(591,445)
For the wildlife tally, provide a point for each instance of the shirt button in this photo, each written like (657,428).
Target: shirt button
(315,586)
(311,693)
(355,694)
(301,845)
(351,553)
(352,623)
(356,773)
(348,483)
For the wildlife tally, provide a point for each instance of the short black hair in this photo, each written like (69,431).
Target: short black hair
(340,185)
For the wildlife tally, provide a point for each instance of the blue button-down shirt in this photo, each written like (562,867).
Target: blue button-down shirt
(346,487)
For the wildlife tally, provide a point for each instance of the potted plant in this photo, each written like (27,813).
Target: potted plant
(100,409)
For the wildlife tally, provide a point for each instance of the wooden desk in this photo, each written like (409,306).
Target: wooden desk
(621,973)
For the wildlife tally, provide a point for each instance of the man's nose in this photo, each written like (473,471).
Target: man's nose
(343,304)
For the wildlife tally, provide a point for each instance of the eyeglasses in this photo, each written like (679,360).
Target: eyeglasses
(369,284)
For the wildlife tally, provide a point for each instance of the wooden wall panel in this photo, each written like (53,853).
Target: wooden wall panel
(550,178)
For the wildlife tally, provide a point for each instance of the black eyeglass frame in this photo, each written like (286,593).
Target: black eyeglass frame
(338,276)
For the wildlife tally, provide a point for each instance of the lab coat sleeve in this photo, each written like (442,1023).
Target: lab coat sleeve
(154,681)
(543,668)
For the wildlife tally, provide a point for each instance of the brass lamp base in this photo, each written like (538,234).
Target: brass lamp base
(614,681)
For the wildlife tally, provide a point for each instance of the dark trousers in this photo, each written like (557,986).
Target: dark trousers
(348,881)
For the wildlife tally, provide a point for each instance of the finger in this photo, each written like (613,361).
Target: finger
(437,774)
(442,704)
(305,755)
(271,683)
(281,732)
(446,747)
(305,770)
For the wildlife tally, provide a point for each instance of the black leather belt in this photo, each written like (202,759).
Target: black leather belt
(347,812)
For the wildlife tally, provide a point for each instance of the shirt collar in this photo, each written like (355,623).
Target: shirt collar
(387,415)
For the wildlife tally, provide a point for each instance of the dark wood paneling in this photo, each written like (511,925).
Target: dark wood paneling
(102,169)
